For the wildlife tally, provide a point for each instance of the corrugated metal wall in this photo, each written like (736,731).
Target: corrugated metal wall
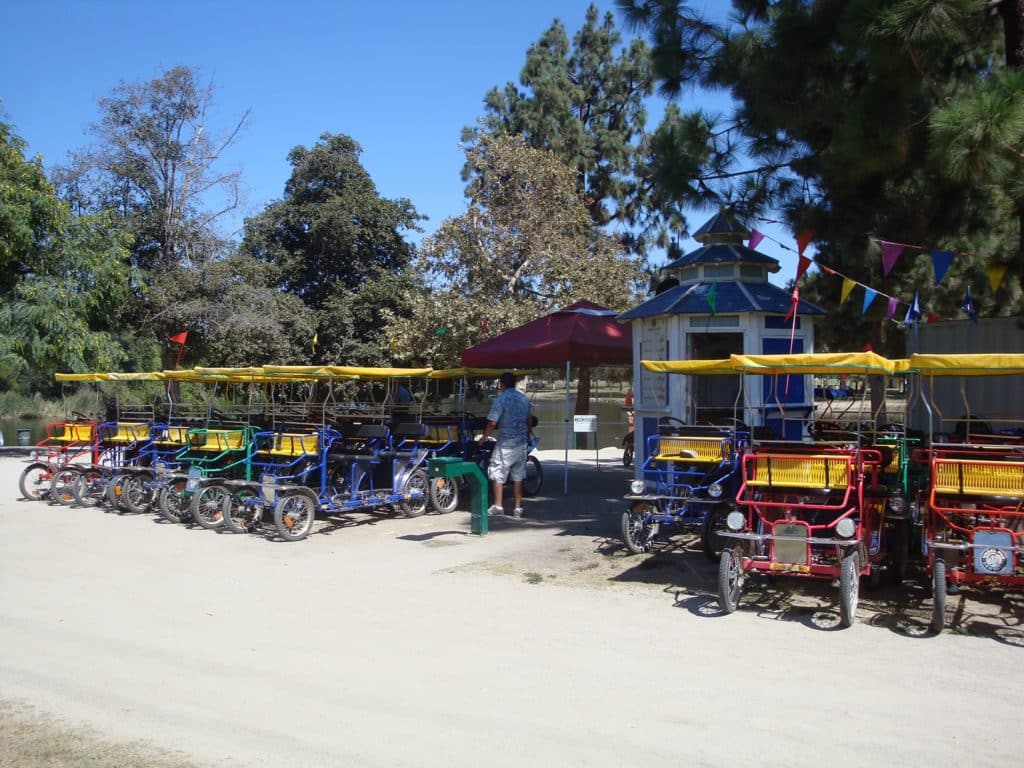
(993,397)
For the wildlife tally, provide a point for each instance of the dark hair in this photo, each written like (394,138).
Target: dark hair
(508,380)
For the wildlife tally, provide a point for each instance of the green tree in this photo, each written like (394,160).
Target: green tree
(156,165)
(234,313)
(524,246)
(64,277)
(585,103)
(337,244)
(833,107)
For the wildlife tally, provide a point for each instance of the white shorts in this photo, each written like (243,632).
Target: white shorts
(508,462)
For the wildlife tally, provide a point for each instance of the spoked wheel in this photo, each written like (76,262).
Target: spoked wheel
(243,510)
(638,532)
(137,493)
(295,513)
(710,542)
(416,482)
(444,494)
(115,491)
(173,504)
(730,581)
(849,588)
(534,476)
(90,489)
(938,595)
(208,505)
(62,485)
(34,482)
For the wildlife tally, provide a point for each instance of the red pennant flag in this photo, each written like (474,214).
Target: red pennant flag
(178,338)
(802,265)
(803,239)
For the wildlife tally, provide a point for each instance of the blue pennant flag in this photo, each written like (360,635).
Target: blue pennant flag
(869,296)
(968,306)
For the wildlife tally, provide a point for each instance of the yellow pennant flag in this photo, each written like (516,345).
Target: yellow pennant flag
(316,339)
(996,273)
(847,287)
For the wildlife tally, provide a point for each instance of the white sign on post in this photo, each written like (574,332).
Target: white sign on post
(584,423)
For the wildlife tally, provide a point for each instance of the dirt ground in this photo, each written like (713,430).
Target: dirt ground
(398,642)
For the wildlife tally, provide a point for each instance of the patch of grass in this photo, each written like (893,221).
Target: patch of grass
(532,577)
(29,739)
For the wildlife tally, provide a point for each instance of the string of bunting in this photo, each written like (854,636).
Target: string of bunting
(891,252)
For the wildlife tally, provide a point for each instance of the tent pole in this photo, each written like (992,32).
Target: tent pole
(565,488)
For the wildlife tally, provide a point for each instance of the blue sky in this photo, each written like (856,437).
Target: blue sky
(402,78)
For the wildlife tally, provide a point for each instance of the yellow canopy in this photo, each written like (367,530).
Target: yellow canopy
(350,372)
(818,362)
(691,366)
(475,373)
(141,376)
(997,364)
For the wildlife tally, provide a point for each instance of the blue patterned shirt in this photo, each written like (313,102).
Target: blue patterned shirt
(510,411)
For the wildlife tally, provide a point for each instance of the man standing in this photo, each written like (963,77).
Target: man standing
(510,415)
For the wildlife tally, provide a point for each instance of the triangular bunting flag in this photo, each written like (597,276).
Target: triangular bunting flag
(890,253)
(847,287)
(755,239)
(869,296)
(940,263)
(803,239)
(802,266)
(996,273)
(890,310)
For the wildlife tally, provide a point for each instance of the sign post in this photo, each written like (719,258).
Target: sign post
(588,424)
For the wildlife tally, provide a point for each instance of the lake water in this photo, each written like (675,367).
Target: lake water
(612,422)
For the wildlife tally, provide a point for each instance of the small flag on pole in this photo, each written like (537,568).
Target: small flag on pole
(968,306)
(179,339)
(914,313)
(316,340)
(711,297)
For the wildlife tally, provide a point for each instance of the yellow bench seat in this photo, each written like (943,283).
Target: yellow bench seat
(812,471)
(129,432)
(979,478)
(75,433)
(700,450)
(292,444)
(217,440)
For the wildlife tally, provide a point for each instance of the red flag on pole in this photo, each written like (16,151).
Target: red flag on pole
(178,338)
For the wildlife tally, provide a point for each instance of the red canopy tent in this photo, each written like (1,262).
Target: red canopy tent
(582,334)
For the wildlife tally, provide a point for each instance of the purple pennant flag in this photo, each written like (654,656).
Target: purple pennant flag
(890,253)
(891,309)
(940,262)
(755,239)
(869,296)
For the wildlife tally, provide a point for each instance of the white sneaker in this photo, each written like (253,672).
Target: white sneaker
(517,512)
(494,509)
